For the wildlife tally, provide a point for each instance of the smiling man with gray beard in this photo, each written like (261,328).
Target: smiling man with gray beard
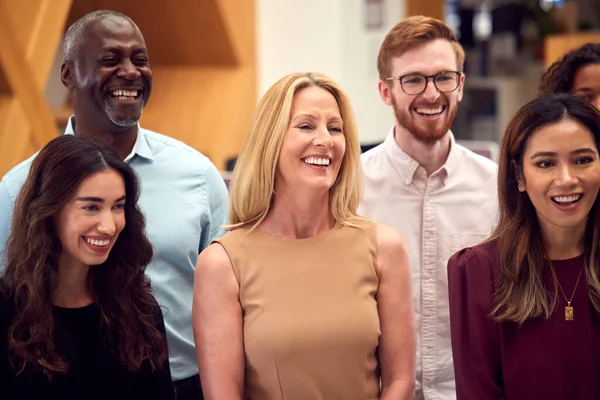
(183,197)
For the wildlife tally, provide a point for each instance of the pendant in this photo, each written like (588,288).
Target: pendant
(569,312)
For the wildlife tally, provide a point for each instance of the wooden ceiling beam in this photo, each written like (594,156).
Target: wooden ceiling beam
(21,78)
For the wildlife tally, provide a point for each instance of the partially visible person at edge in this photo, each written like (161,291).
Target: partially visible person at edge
(577,73)
(439,195)
(184,199)
(525,305)
(303,299)
(77,316)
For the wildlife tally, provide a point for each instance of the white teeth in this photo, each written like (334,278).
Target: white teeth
(99,243)
(124,94)
(316,161)
(430,111)
(566,199)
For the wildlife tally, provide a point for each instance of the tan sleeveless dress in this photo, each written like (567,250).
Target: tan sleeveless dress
(311,326)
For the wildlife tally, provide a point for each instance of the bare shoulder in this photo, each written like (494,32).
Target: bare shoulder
(213,260)
(391,249)
(389,241)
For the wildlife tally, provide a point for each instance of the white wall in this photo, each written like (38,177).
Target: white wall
(328,36)
(297,36)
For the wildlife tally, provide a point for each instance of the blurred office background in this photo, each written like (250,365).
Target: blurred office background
(213,59)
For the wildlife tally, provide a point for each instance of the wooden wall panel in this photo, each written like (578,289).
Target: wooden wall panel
(45,37)
(4,87)
(177,32)
(239,19)
(30,31)
(15,134)
(556,46)
(428,8)
(21,77)
(206,107)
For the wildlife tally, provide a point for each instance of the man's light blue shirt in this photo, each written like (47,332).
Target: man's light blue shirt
(184,200)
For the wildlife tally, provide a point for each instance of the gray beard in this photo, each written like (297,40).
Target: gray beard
(127,121)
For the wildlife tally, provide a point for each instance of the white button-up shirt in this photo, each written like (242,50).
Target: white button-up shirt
(455,207)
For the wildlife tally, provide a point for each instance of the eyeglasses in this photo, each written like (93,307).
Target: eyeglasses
(414,84)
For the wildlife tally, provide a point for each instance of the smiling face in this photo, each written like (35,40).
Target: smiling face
(111,79)
(561,174)
(429,115)
(90,223)
(314,145)
(586,83)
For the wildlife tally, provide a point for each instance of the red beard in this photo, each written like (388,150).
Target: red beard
(425,132)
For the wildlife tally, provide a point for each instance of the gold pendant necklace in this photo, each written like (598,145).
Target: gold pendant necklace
(569,314)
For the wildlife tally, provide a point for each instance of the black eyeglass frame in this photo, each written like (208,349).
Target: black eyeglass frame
(427,77)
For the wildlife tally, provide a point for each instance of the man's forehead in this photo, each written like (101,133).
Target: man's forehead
(429,58)
(110,22)
(112,26)
(113,31)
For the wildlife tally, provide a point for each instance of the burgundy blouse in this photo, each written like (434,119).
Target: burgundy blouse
(551,359)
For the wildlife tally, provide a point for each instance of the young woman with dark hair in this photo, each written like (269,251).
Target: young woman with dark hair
(525,305)
(77,316)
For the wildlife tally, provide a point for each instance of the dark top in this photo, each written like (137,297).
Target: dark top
(549,359)
(93,373)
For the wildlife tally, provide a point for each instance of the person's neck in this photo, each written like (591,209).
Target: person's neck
(563,243)
(430,155)
(298,217)
(119,139)
(72,290)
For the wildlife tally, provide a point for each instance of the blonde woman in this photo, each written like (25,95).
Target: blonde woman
(303,299)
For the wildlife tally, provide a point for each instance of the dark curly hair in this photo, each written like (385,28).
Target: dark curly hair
(560,75)
(120,288)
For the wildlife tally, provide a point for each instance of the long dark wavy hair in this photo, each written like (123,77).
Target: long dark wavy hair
(120,288)
(521,292)
(560,75)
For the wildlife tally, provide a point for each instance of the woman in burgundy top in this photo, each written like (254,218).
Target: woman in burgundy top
(524,306)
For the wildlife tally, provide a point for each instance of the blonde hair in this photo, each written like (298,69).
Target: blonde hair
(253,181)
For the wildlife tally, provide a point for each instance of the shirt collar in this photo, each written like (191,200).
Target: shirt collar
(407,167)
(140,147)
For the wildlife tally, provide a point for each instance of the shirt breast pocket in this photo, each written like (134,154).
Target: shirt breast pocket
(463,240)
